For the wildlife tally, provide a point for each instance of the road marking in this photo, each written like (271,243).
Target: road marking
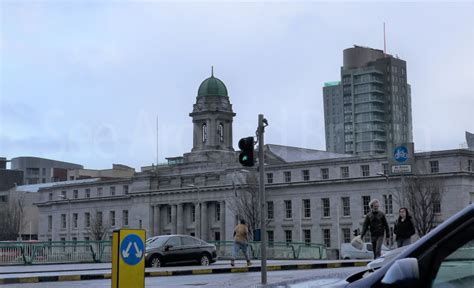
(202,271)
(29,280)
(69,278)
(243,269)
(160,273)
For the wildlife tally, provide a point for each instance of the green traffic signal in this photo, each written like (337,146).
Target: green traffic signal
(246,153)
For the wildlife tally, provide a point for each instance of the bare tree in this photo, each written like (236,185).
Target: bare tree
(422,195)
(245,204)
(11,217)
(99,227)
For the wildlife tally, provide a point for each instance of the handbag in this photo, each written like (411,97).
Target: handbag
(357,243)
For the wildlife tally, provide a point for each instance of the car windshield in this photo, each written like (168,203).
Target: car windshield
(155,242)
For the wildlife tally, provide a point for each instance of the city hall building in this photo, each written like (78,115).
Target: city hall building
(312,196)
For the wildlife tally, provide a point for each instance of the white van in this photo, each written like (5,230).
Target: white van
(349,252)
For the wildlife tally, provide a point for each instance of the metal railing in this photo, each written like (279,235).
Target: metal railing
(275,250)
(55,252)
(26,253)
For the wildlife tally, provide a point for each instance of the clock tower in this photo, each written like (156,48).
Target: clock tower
(212,122)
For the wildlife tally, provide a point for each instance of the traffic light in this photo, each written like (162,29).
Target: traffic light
(246,151)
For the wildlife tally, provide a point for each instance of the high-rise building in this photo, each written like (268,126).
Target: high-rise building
(369,109)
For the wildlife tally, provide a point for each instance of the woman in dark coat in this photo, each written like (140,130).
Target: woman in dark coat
(404,228)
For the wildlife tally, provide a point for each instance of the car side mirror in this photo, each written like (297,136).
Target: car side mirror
(167,247)
(402,273)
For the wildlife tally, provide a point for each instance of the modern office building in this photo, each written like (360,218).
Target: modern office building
(370,108)
(117,171)
(470,140)
(9,178)
(39,170)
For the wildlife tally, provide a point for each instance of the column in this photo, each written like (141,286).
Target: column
(173,218)
(151,226)
(222,224)
(156,222)
(229,224)
(198,219)
(204,221)
(180,219)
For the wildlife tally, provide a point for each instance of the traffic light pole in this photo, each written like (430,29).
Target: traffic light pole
(262,122)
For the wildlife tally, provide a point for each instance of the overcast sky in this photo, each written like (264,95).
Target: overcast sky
(85,81)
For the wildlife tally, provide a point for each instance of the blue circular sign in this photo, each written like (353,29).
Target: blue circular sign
(132,249)
(400,154)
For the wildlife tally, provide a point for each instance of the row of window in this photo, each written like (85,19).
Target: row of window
(324,173)
(87,193)
(434,166)
(326,233)
(346,236)
(89,220)
(97,221)
(344,171)
(344,207)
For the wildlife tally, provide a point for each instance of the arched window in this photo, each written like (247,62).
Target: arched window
(204,132)
(220,132)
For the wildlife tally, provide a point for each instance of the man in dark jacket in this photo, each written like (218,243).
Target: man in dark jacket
(376,223)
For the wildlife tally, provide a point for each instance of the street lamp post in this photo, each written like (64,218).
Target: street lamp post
(198,230)
(19,224)
(262,123)
(68,216)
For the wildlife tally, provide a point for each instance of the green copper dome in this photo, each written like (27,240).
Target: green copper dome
(212,86)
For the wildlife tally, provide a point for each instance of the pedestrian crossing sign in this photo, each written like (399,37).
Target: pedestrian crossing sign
(128,258)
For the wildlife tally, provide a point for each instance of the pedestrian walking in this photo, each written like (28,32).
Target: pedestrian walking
(376,223)
(404,228)
(241,235)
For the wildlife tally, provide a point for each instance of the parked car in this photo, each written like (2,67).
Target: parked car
(174,249)
(350,252)
(442,258)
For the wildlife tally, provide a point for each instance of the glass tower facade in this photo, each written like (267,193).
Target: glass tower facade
(375,107)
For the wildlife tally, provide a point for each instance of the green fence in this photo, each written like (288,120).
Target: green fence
(275,250)
(55,252)
(12,253)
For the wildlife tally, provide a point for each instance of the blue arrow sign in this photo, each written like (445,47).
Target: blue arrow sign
(132,249)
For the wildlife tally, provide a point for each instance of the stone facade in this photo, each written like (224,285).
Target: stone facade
(315,196)
(164,201)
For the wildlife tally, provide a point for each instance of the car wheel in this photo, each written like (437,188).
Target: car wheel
(155,261)
(205,261)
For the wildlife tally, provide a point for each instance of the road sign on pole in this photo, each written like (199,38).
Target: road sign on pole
(128,258)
